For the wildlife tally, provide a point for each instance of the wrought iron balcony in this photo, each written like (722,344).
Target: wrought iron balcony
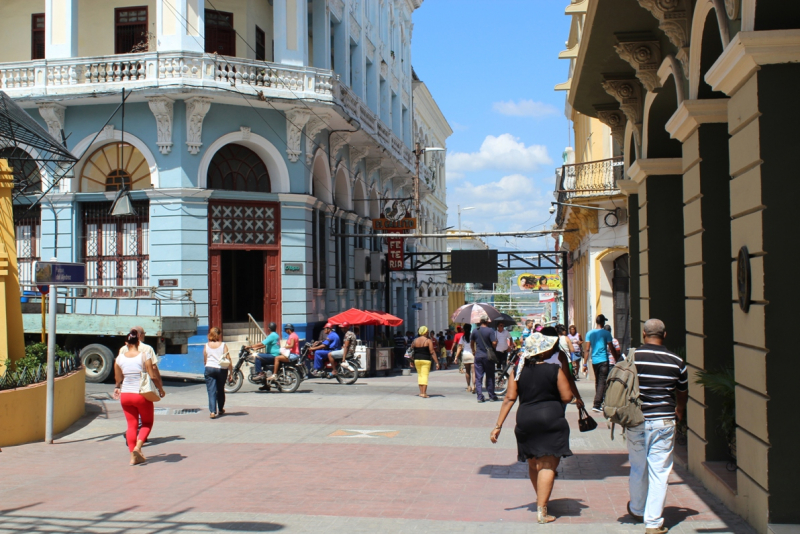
(587,180)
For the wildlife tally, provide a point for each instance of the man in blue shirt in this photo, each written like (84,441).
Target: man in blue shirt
(599,343)
(321,349)
(482,340)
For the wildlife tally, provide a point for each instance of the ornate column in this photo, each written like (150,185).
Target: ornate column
(290,31)
(628,93)
(60,28)
(674,20)
(180,25)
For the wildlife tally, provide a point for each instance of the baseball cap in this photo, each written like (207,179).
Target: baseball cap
(345,325)
(328,325)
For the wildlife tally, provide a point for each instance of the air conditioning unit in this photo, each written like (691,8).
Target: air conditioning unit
(378,271)
(361,260)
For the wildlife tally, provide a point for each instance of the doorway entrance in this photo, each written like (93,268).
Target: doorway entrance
(242,285)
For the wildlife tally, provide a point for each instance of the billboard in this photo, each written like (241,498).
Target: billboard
(473,267)
(534,282)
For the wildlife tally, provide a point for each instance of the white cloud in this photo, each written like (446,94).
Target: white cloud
(504,152)
(524,108)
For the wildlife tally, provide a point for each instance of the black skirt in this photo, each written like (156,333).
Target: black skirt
(542,430)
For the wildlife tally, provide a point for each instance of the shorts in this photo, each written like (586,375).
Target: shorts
(575,356)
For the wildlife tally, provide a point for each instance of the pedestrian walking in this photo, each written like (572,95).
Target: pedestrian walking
(147,350)
(423,356)
(528,330)
(615,342)
(216,360)
(464,352)
(504,344)
(599,344)
(664,390)
(128,369)
(542,431)
(575,354)
(482,339)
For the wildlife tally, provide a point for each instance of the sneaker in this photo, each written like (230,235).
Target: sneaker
(495,399)
(637,518)
(481,400)
(598,410)
(657,530)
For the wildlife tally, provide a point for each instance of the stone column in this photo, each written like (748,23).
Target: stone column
(10,309)
(661,267)
(61,28)
(322,34)
(180,25)
(290,31)
(701,125)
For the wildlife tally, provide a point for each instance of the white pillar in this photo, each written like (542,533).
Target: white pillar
(180,25)
(290,31)
(322,34)
(61,28)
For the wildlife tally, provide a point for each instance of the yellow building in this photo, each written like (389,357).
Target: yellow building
(701,100)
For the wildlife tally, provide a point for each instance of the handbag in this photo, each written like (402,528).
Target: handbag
(147,387)
(489,350)
(585,421)
(224,362)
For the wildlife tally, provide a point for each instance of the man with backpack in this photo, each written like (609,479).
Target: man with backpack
(645,395)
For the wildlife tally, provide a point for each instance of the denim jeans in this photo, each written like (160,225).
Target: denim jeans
(600,377)
(650,447)
(264,360)
(215,384)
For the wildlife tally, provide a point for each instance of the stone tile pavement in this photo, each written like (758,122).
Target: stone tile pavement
(369,457)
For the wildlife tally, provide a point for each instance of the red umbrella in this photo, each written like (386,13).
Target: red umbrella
(365,317)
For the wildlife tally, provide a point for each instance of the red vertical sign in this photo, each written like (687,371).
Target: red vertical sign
(396,255)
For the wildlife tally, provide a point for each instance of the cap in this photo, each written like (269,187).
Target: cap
(345,325)
(289,326)
(423,330)
(328,325)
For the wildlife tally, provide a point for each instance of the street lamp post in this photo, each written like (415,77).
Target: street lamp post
(460,209)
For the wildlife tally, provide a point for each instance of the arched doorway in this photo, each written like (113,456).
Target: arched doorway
(244,241)
(113,166)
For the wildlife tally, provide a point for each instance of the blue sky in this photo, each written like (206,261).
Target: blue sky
(492,72)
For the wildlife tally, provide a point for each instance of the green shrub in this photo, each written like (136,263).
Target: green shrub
(36,354)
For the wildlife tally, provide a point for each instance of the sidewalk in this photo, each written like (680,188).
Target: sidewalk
(369,457)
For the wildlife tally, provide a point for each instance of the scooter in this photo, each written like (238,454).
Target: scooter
(346,369)
(287,381)
(501,376)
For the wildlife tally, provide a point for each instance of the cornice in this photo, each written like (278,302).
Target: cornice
(628,187)
(747,52)
(692,113)
(642,168)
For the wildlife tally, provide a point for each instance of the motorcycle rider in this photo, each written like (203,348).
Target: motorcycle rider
(322,349)
(271,346)
(348,349)
(289,353)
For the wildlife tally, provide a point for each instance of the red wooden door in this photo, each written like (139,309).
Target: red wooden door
(272,287)
(215,288)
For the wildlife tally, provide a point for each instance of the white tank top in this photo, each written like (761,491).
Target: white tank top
(213,356)
(465,344)
(132,371)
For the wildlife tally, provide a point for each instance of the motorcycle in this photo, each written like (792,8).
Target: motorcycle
(346,369)
(501,375)
(288,380)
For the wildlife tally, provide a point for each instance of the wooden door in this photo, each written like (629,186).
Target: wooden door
(272,287)
(215,288)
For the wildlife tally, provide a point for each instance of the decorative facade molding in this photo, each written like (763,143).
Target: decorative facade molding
(245,132)
(692,113)
(296,120)
(732,9)
(107,134)
(384,69)
(373,164)
(337,9)
(338,140)
(161,107)
(196,109)
(357,153)
(313,128)
(645,58)
(629,95)
(642,168)
(53,115)
(614,118)
(673,19)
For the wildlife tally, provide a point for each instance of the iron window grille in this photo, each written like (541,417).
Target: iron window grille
(116,249)
(28,230)
(130,29)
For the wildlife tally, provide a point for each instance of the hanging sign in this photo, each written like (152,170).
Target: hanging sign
(388,225)
(534,282)
(59,274)
(396,254)
(547,297)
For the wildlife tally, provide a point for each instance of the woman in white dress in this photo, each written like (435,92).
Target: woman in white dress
(464,351)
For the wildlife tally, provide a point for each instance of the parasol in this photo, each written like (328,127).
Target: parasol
(505,320)
(471,313)
(365,317)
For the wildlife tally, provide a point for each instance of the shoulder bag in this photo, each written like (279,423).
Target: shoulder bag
(147,388)
(224,361)
(585,421)
(489,350)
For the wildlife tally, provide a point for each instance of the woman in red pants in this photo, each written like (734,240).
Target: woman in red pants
(128,369)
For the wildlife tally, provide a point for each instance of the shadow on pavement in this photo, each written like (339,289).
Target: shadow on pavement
(169,458)
(563,507)
(165,439)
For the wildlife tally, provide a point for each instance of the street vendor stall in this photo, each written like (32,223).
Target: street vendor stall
(372,358)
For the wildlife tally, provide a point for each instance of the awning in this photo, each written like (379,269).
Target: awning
(365,317)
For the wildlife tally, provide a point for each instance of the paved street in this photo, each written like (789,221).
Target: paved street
(369,457)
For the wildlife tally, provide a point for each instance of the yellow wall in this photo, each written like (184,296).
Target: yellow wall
(22,411)
(96,24)
(591,139)
(15,39)
(455,299)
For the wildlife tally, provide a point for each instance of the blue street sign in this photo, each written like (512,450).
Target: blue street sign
(59,274)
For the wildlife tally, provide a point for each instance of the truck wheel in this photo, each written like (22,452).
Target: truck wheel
(98,361)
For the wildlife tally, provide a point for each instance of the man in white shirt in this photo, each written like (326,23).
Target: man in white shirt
(503,344)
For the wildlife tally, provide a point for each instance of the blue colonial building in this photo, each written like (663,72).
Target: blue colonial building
(256,136)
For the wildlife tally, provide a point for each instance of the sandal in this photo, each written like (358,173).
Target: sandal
(212,415)
(542,517)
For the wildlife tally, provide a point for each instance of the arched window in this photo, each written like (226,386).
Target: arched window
(237,168)
(113,166)
(25,170)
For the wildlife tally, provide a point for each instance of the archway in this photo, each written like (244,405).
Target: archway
(266,151)
(114,166)
(361,201)
(342,194)
(659,108)
(321,184)
(237,168)
(86,148)
(27,177)
(374,204)
(709,38)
